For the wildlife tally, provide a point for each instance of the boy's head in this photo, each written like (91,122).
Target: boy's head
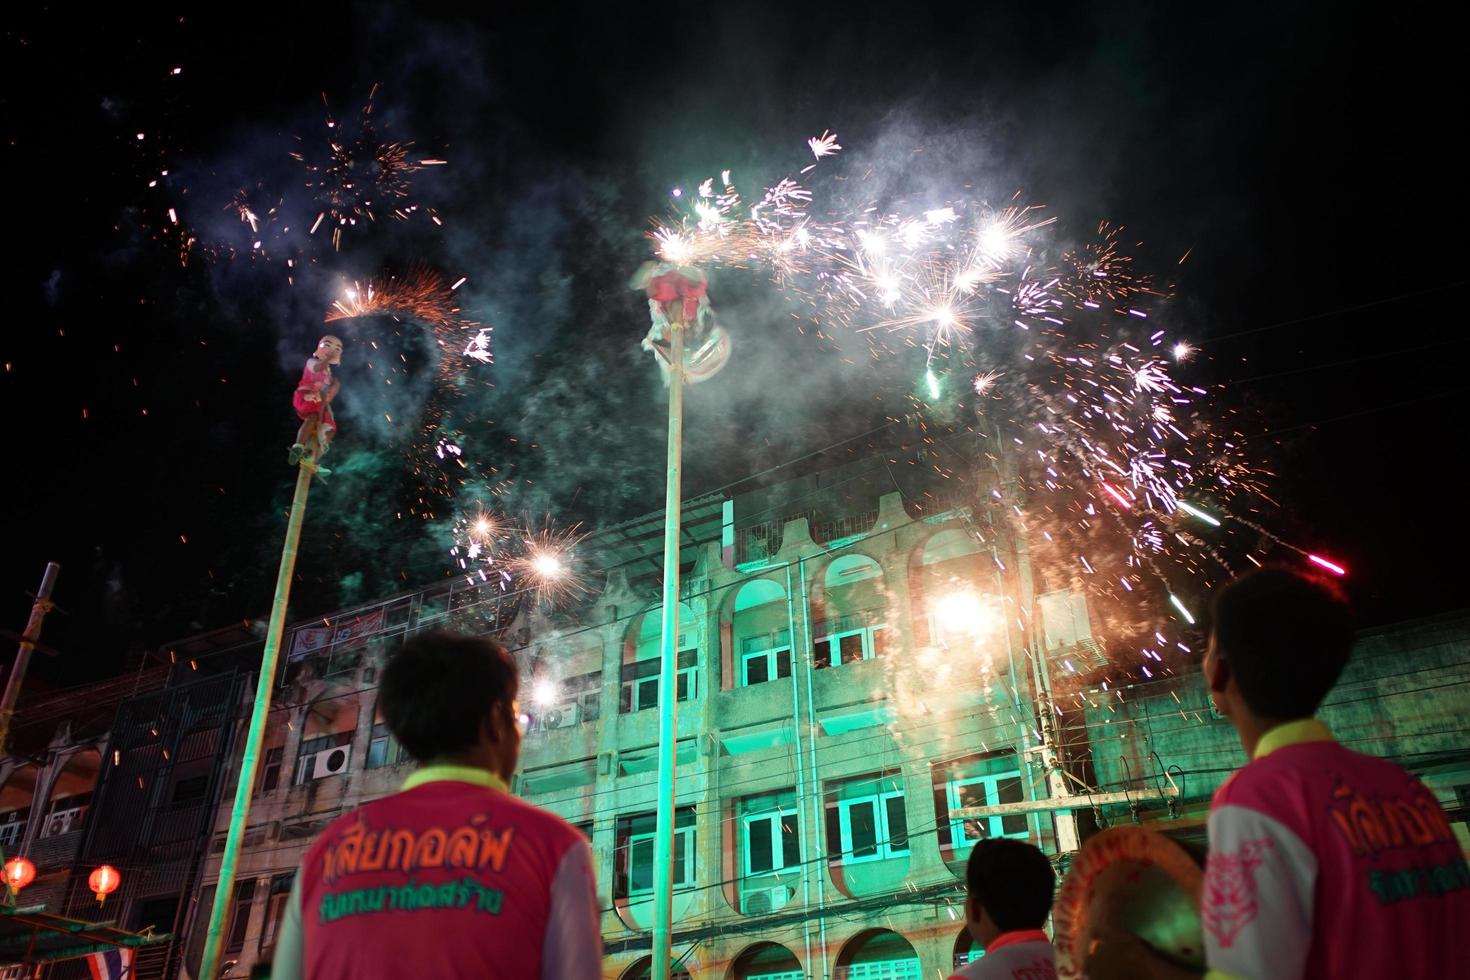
(1278,642)
(451,698)
(1009,885)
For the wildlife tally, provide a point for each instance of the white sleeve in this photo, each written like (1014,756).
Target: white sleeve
(1256,904)
(572,948)
(289,961)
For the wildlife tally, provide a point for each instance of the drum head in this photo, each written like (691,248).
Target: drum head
(1131,880)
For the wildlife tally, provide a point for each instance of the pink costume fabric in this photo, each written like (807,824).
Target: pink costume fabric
(452,877)
(1327,863)
(311,393)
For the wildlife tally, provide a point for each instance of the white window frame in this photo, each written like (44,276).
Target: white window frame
(772,655)
(635,839)
(994,825)
(885,848)
(11,832)
(393,752)
(906,968)
(870,646)
(690,676)
(275,912)
(306,763)
(778,841)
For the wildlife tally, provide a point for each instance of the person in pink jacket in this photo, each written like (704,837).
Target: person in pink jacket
(1008,892)
(1323,862)
(453,876)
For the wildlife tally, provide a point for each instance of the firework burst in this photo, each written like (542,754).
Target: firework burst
(1101,273)
(548,564)
(538,560)
(1133,484)
(362,176)
(419,293)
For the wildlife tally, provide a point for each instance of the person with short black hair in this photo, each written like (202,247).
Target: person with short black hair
(1323,862)
(1008,891)
(452,876)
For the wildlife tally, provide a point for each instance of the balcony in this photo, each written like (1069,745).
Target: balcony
(760,542)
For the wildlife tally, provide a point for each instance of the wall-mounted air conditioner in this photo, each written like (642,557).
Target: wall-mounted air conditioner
(762,901)
(332,762)
(561,716)
(65,821)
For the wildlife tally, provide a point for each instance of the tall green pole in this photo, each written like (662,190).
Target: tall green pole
(224,892)
(668,688)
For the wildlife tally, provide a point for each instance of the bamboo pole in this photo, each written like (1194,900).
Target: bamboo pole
(240,815)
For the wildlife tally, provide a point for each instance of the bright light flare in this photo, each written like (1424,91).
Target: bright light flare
(964,612)
(985,382)
(544,693)
(672,246)
(1188,616)
(1000,239)
(546,564)
(824,145)
(1123,501)
(1196,512)
(1331,566)
(995,241)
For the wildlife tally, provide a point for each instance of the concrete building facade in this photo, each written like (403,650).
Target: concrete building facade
(862,654)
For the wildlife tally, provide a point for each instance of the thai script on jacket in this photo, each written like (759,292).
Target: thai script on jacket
(411,897)
(1373,824)
(471,847)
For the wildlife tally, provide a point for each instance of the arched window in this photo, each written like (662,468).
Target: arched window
(767,961)
(878,954)
(854,625)
(761,633)
(641,659)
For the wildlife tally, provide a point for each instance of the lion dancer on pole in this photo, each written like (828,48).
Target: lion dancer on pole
(313,404)
(678,300)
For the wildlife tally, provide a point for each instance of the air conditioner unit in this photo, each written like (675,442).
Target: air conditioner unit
(763,901)
(332,762)
(561,716)
(64,821)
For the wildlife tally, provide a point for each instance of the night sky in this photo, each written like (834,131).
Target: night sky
(1300,157)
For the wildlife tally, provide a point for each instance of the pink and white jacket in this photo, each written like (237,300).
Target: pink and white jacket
(1327,863)
(1025,954)
(452,877)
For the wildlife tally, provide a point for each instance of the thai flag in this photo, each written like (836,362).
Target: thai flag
(113,964)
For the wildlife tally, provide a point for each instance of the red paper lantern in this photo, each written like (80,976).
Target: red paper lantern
(19,872)
(104,881)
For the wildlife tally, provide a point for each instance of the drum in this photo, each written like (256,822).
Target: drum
(1132,880)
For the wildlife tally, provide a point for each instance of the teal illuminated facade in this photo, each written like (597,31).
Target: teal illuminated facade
(864,651)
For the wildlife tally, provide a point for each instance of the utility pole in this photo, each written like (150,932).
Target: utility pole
(224,891)
(1044,705)
(28,642)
